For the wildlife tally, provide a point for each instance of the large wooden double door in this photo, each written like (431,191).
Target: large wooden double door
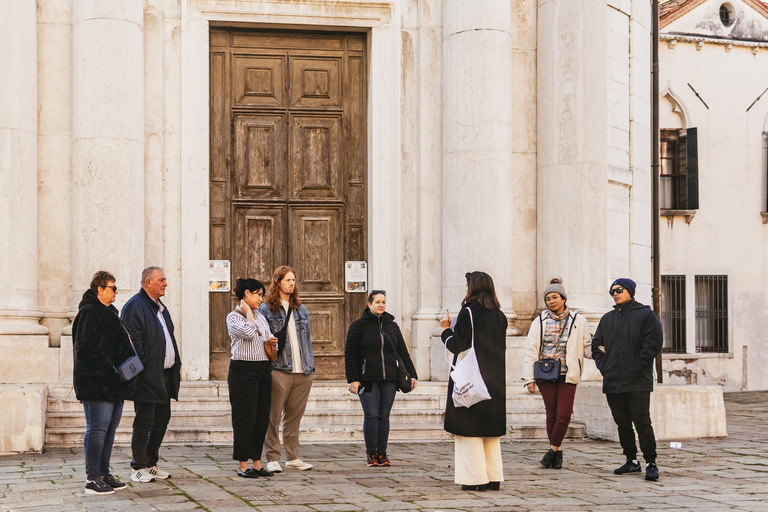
(288,174)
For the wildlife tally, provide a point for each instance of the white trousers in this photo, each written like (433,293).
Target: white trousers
(478,460)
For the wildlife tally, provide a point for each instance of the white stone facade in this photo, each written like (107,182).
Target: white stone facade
(726,234)
(511,136)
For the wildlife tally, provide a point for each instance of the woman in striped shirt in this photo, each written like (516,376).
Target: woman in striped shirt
(250,377)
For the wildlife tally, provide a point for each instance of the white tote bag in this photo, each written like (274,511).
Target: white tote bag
(468,385)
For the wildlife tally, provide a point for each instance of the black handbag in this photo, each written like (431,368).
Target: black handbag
(548,369)
(404,381)
(132,366)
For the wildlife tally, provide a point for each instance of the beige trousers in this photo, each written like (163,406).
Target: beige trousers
(478,460)
(290,392)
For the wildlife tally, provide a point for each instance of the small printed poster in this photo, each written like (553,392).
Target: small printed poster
(218,276)
(356,276)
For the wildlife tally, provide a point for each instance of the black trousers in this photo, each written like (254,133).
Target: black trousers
(149,426)
(629,408)
(250,395)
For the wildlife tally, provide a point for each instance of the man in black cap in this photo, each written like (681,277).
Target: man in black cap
(626,342)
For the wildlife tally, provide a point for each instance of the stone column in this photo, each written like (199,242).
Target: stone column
(19,312)
(54,165)
(477,182)
(108,147)
(572,151)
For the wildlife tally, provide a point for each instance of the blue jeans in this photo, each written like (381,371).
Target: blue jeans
(377,403)
(101,420)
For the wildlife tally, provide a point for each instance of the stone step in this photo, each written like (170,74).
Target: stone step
(203,415)
(56,437)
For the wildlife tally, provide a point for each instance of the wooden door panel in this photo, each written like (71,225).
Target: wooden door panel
(260,156)
(314,245)
(258,81)
(315,82)
(259,241)
(288,180)
(315,157)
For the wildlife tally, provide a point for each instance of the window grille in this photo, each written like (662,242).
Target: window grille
(673,313)
(711,313)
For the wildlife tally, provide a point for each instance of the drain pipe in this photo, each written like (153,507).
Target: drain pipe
(655,144)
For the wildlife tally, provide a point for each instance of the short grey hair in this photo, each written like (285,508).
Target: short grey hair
(148,272)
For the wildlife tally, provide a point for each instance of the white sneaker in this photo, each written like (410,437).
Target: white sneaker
(141,476)
(274,467)
(158,473)
(298,464)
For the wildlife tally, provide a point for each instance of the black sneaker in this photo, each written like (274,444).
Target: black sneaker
(113,482)
(548,458)
(651,471)
(631,466)
(383,460)
(98,486)
(373,460)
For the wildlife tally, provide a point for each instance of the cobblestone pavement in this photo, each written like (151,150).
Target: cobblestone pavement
(714,474)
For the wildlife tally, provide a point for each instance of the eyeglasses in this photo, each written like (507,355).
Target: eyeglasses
(113,287)
(377,292)
(614,291)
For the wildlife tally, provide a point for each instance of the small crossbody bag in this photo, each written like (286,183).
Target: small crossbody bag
(547,369)
(132,366)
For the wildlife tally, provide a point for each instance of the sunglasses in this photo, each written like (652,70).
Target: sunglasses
(113,287)
(614,291)
(376,292)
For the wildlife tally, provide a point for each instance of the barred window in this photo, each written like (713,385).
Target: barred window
(711,313)
(696,306)
(673,313)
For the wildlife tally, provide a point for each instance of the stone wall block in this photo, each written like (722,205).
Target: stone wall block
(23,420)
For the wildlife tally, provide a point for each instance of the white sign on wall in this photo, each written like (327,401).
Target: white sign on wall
(218,276)
(356,276)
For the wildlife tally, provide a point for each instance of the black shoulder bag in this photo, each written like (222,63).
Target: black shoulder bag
(282,334)
(548,369)
(404,381)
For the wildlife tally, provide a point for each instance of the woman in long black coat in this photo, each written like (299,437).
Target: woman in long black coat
(478,429)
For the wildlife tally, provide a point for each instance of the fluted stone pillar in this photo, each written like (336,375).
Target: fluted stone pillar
(19,312)
(108,146)
(54,165)
(25,356)
(476,150)
(572,151)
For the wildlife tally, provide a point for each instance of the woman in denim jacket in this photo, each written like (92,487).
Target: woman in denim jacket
(293,370)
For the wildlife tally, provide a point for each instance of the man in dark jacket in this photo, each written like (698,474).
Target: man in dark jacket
(626,342)
(151,328)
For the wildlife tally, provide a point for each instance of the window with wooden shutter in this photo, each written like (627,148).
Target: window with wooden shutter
(688,171)
(679,173)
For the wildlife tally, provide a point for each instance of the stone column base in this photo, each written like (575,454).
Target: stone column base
(27,359)
(677,412)
(23,419)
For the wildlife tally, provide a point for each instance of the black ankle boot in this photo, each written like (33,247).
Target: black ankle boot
(548,458)
(558,462)
(494,486)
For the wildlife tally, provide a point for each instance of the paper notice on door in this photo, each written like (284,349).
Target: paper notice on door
(218,276)
(356,276)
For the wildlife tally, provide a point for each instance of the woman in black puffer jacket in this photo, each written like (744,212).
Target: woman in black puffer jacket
(371,368)
(100,344)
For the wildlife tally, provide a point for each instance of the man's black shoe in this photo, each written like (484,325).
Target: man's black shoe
(651,471)
(631,466)
(248,473)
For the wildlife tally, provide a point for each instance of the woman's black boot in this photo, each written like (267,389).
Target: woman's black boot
(478,488)
(494,486)
(548,458)
(558,462)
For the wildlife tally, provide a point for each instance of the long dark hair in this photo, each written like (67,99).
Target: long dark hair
(480,289)
(273,297)
(248,283)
